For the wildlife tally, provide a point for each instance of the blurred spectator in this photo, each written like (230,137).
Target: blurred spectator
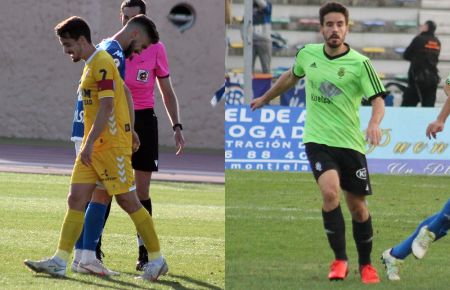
(423,77)
(262,26)
(228,15)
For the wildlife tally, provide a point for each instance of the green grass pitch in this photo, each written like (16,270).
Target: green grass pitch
(275,238)
(189,219)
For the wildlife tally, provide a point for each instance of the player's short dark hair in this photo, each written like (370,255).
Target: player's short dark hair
(329,7)
(73,27)
(147,25)
(135,3)
(431,26)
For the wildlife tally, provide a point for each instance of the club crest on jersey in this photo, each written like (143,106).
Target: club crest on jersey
(142,75)
(318,166)
(117,62)
(362,173)
(341,72)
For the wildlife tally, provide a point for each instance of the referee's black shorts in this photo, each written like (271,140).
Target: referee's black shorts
(146,126)
(351,166)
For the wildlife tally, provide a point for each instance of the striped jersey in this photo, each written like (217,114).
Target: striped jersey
(335,87)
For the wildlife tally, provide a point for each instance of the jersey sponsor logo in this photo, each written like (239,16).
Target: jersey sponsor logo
(104,176)
(87,100)
(78,116)
(313,65)
(362,173)
(86,93)
(321,99)
(433,45)
(329,90)
(142,75)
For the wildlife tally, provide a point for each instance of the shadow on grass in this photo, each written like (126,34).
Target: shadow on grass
(177,285)
(125,285)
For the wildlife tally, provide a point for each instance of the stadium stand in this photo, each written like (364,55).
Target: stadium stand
(380,29)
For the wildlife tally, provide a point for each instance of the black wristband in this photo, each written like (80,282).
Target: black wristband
(177,125)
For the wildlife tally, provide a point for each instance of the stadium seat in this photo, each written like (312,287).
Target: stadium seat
(236,45)
(237,70)
(405,25)
(374,23)
(280,21)
(401,77)
(374,50)
(309,24)
(400,50)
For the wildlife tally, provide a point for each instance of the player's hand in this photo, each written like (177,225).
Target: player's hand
(373,134)
(179,140)
(135,141)
(86,153)
(433,128)
(257,103)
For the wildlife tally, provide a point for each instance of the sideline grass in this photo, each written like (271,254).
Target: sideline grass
(275,238)
(189,219)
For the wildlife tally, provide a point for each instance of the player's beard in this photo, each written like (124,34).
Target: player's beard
(130,49)
(76,59)
(334,41)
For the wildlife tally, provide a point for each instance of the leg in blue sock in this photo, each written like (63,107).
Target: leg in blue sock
(436,226)
(93,225)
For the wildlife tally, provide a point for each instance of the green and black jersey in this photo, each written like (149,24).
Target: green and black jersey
(335,87)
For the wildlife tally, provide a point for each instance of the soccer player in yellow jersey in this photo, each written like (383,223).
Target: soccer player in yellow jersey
(106,150)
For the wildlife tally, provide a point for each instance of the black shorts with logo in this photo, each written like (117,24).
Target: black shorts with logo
(351,166)
(146,126)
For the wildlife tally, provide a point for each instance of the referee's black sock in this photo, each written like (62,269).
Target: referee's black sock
(334,224)
(363,235)
(147,204)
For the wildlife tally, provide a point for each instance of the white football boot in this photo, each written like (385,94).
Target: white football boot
(392,265)
(422,241)
(154,269)
(95,267)
(50,266)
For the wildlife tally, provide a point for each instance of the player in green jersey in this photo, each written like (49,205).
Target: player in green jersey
(338,78)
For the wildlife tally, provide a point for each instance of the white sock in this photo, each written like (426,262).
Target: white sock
(59,261)
(140,242)
(77,255)
(87,256)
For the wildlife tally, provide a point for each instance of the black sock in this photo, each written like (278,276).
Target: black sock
(334,224)
(98,249)
(363,234)
(147,204)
